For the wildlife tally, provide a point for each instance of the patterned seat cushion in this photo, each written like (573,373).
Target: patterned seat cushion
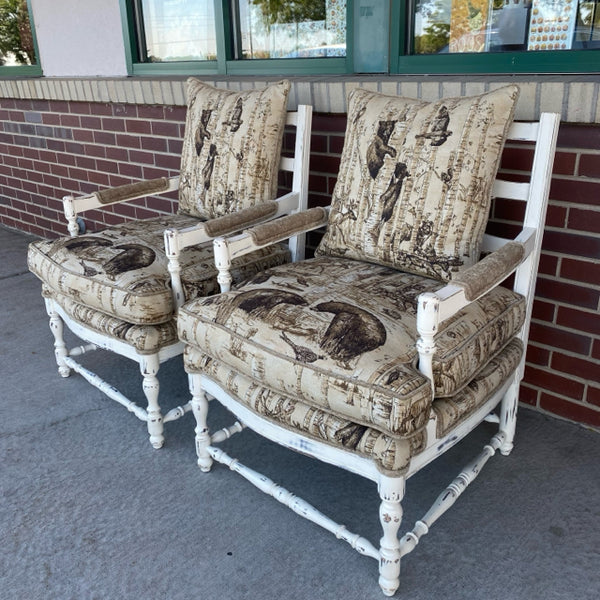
(122,271)
(231,148)
(347,331)
(415,180)
(146,339)
(391,454)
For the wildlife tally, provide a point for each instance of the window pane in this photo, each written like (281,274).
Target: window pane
(466,26)
(16,41)
(290,29)
(178,30)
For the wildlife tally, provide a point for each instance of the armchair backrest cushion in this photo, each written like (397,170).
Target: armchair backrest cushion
(231,148)
(414,186)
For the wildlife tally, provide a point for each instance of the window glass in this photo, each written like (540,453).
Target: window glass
(177,30)
(16,40)
(468,26)
(289,28)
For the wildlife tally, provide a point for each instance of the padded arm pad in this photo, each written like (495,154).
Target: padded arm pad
(281,229)
(491,270)
(132,190)
(240,219)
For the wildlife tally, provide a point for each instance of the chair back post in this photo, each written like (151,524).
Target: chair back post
(303,115)
(535,215)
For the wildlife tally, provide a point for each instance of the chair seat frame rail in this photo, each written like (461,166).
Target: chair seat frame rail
(433,309)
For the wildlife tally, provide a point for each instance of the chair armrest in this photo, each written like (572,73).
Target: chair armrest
(480,278)
(72,205)
(266,234)
(269,233)
(434,308)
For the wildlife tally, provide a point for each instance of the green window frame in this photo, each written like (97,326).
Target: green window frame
(401,61)
(25,70)
(225,63)
(486,63)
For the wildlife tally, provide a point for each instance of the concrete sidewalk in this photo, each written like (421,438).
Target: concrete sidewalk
(91,511)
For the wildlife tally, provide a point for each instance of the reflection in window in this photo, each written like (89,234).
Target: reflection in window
(177,30)
(289,28)
(467,26)
(16,40)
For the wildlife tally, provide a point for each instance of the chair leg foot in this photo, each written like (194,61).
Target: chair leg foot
(149,366)
(391,492)
(60,348)
(200,409)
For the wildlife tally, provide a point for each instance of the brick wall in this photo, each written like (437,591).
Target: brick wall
(52,148)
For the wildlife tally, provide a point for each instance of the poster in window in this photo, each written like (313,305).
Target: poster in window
(468,25)
(551,24)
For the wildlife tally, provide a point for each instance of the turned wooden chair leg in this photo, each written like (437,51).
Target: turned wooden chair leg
(391,492)
(149,365)
(57,329)
(508,417)
(200,409)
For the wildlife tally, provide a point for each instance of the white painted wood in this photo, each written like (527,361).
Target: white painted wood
(433,310)
(298,505)
(175,242)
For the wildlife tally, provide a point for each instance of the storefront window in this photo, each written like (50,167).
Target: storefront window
(17,47)
(290,29)
(176,30)
(475,26)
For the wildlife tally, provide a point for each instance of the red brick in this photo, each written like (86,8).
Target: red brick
(336,144)
(576,135)
(509,210)
(130,170)
(91,122)
(128,141)
(579,270)
(83,135)
(528,395)
(588,322)
(564,163)
(589,165)
(570,410)
(556,216)
(329,122)
(538,356)
(584,220)
(559,338)
(117,154)
(163,205)
(124,110)
(151,112)
(105,138)
(592,395)
(165,129)
(137,156)
(571,244)
(569,293)
(132,126)
(578,367)
(175,113)
(167,161)
(575,191)
(81,108)
(317,183)
(318,143)
(596,349)
(110,124)
(51,119)
(517,158)
(154,144)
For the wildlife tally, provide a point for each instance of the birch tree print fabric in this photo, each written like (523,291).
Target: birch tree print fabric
(231,148)
(414,186)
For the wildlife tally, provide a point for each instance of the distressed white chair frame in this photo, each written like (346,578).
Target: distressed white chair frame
(175,242)
(433,309)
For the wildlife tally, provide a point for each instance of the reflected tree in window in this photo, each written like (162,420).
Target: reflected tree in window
(432,26)
(296,11)
(16,40)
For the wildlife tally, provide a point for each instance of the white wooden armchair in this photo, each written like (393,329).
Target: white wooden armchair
(395,341)
(119,289)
